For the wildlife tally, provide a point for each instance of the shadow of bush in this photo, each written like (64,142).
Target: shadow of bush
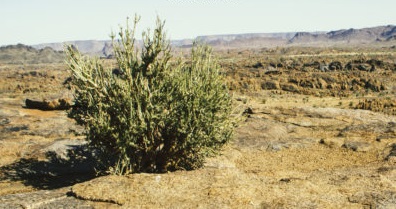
(54,172)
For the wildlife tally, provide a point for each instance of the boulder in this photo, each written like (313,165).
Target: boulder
(58,104)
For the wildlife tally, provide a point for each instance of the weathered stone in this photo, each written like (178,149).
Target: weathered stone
(63,147)
(30,200)
(358,146)
(42,199)
(333,142)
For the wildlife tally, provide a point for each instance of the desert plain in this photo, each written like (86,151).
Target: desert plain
(319,131)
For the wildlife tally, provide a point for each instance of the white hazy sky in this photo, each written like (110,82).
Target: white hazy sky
(46,21)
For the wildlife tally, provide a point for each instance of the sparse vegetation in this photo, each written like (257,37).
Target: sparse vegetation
(154,116)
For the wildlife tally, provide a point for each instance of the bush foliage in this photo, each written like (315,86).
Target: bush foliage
(156,114)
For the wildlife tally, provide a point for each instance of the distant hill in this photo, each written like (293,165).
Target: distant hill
(102,48)
(347,36)
(249,40)
(22,54)
(86,46)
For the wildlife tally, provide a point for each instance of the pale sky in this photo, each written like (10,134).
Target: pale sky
(46,21)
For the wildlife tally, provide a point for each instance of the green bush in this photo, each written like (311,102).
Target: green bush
(157,114)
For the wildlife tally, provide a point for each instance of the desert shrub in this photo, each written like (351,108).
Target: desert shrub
(156,114)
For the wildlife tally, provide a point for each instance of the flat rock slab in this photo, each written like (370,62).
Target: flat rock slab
(257,179)
(206,188)
(40,199)
(62,147)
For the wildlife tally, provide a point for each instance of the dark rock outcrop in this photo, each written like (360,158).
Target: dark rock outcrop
(58,104)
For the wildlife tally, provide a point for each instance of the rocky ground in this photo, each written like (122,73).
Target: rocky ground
(307,142)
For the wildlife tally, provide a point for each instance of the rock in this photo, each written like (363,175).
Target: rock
(117,72)
(270,85)
(290,87)
(392,154)
(71,202)
(308,84)
(248,111)
(314,122)
(376,63)
(297,143)
(365,67)
(357,65)
(333,142)
(277,146)
(272,71)
(379,199)
(368,130)
(59,104)
(259,132)
(16,128)
(276,65)
(4,121)
(335,65)
(42,199)
(324,67)
(358,146)
(258,65)
(315,65)
(63,147)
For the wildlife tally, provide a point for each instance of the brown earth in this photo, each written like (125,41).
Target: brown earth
(317,135)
